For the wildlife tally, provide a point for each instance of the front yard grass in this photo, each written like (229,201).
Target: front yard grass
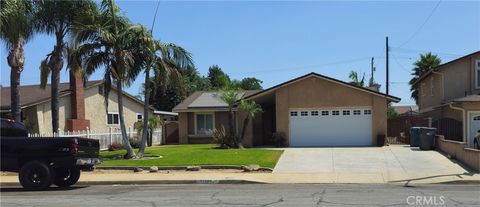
(197,154)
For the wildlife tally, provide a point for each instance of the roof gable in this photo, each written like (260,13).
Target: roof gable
(316,75)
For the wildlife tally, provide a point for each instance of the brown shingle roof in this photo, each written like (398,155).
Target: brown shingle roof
(32,94)
(187,103)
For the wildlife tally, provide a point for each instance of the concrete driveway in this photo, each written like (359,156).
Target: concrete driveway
(389,159)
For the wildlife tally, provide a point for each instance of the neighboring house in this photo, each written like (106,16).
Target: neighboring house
(406,110)
(450,91)
(80,107)
(311,110)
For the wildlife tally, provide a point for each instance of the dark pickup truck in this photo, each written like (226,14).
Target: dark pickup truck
(42,161)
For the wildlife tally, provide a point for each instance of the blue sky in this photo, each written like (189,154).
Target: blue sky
(278,41)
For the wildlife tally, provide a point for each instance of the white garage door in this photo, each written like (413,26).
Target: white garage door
(331,127)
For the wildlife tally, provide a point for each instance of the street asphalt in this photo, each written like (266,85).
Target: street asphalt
(246,195)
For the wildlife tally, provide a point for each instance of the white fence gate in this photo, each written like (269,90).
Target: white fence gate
(105,138)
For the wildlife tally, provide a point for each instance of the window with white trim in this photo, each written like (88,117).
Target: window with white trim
(324,113)
(346,112)
(304,113)
(335,113)
(139,116)
(113,118)
(477,74)
(431,86)
(357,112)
(293,113)
(204,124)
(314,113)
(367,112)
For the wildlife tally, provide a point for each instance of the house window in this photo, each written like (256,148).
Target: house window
(112,118)
(304,113)
(314,113)
(431,86)
(204,124)
(324,113)
(367,112)
(477,74)
(356,112)
(293,113)
(422,89)
(476,118)
(139,116)
(335,113)
(346,112)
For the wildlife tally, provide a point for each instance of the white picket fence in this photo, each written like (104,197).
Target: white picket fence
(105,138)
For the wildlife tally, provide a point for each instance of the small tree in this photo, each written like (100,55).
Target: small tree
(152,123)
(231,96)
(251,109)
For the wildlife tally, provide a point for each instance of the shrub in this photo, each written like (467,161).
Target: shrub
(135,143)
(115,146)
(279,139)
(219,136)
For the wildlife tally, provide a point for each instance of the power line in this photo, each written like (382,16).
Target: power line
(423,24)
(398,63)
(411,50)
(306,66)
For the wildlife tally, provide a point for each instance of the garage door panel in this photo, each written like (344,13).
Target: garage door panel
(344,129)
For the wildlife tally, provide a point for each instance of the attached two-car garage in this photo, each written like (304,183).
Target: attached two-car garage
(331,127)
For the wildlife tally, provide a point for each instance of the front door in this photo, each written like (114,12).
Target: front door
(474,120)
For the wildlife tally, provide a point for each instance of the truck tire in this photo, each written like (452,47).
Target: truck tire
(35,175)
(66,177)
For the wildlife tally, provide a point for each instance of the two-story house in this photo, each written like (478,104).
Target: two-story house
(452,90)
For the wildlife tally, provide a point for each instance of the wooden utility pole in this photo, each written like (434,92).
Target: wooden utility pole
(386,49)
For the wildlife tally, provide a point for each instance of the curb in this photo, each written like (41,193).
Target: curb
(145,182)
(208,167)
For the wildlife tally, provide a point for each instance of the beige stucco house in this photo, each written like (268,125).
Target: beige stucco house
(80,107)
(450,92)
(311,110)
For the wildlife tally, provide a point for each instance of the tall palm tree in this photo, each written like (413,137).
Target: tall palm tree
(427,62)
(166,60)
(54,17)
(251,109)
(16,29)
(110,42)
(356,80)
(231,96)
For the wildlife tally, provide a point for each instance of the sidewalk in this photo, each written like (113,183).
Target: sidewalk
(92,178)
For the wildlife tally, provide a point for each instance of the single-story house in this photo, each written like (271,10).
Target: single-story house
(81,106)
(311,110)
(406,110)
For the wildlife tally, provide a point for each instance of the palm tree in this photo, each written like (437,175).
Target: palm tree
(112,43)
(426,63)
(56,18)
(356,79)
(166,60)
(16,29)
(251,109)
(231,96)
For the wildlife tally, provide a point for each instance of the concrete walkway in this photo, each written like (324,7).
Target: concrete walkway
(388,161)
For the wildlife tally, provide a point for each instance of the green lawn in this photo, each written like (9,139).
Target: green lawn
(198,154)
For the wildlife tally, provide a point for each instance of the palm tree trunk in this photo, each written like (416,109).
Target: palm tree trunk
(15,59)
(244,128)
(232,128)
(56,65)
(141,150)
(126,142)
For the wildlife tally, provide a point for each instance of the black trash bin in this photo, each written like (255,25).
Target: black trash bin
(427,138)
(414,136)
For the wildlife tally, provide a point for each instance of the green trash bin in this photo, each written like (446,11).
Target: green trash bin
(427,138)
(414,136)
